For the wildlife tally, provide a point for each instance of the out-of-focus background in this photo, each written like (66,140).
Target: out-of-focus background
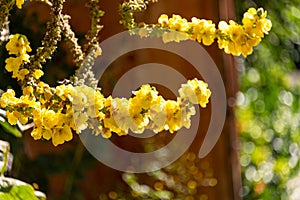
(257,155)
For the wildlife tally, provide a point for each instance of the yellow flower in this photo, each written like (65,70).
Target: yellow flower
(250,17)
(7,97)
(157,115)
(28,101)
(50,118)
(19,3)
(178,23)
(25,57)
(28,90)
(61,135)
(23,119)
(18,44)
(15,116)
(110,123)
(196,91)
(203,30)
(99,105)
(105,133)
(140,104)
(20,75)
(120,113)
(36,133)
(37,117)
(65,91)
(163,20)
(186,112)
(264,25)
(47,134)
(37,73)
(81,119)
(83,97)
(173,112)
(13,64)
(12,118)
(69,118)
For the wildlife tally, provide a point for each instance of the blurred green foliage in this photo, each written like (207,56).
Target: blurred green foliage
(268,104)
(20,192)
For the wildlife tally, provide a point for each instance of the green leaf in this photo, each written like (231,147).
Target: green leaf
(22,192)
(11,129)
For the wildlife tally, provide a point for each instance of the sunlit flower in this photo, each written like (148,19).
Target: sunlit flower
(20,75)
(13,64)
(50,118)
(203,31)
(19,3)
(37,73)
(177,23)
(196,91)
(7,97)
(36,133)
(65,91)
(61,135)
(18,44)
(12,117)
(173,112)
(163,20)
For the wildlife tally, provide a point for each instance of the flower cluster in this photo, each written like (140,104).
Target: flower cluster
(234,38)
(58,112)
(240,39)
(18,45)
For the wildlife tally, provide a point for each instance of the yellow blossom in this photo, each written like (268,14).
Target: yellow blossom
(37,117)
(13,64)
(20,75)
(105,133)
(120,113)
(61,135)
(173,112)
(11,117)
(19,3)
(83,97)
(47,134)
(99,105)
(65,91)
(139,105)
(36,133)
(163,20)
(187,111)
(7,97)
(157,115)
(203,30)
(50,118)
(37,73)
(177,23)
(28,90)
(18,44)
(81,119)
(196,91)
